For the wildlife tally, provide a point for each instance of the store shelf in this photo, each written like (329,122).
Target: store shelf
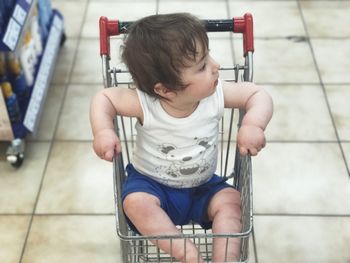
(44,73)
(13,33)
(20,22)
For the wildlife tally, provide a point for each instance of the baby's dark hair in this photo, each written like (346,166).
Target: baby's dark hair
(158,47)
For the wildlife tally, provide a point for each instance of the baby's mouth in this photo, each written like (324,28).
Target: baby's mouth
(216,83)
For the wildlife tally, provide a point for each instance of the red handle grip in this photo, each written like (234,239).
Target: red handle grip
(244,25)
(107,28)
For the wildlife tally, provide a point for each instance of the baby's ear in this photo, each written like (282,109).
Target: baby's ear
(163,91)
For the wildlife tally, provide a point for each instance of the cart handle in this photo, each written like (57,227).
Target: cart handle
(243,25)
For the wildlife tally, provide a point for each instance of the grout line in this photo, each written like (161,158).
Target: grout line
(306,141)
(269,141)
(15,214)
(58,214)
(301,215)
(255,247)
(75,214)
(239,36)
(54,134)
(244,0)
(323,89)
(256,82)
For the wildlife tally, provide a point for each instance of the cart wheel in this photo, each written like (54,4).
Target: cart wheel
(15,153)
(16,161)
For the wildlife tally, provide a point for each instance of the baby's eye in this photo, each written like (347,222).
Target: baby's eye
(203,67)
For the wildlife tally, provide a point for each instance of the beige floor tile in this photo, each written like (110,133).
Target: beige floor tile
(72,239)
(121,10)
(221,50)
(73,14)
(74,121)
(302,178)
(201,9)
(251,256)
(76,181)
(13,231)
(300,113)
(271,18)
(50,114)
(338,97)
(346,149)
(87,67)
(79,1)
(331,57)
(116,50)
(225,124)
(281,61)
(129,127)
(19,187)
(205,10)
(302,239)
(64,61)
(226,159)
(313,11)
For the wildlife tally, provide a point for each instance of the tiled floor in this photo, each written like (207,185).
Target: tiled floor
(58,207)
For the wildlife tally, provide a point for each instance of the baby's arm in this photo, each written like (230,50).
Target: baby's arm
(104,106)
(258,106)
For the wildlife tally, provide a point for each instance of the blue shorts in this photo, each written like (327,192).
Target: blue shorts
(182,205)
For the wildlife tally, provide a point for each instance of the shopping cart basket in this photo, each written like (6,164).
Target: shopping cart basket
(137,248)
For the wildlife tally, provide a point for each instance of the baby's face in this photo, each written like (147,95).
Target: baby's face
(201,77)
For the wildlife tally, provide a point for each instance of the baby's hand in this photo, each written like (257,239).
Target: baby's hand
(250,139)
(106,142)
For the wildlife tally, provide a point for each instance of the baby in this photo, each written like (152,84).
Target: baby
(178,101)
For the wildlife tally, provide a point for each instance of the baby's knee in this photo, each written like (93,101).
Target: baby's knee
(138,201)
(230,209)
(228,204)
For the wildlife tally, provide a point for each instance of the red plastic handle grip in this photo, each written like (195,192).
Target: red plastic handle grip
(244,25)
(107,28)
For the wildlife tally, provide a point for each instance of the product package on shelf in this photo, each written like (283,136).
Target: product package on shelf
(18,74)
(6,7)
(6,133)
(22,61)
(45,15)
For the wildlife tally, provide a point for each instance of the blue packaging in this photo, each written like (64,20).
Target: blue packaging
(45,14)
(2,17)
(9,5)
(11,101)
(13,108)
(16,76)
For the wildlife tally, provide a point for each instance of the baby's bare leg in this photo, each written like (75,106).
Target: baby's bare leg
(224,210)
(149,218)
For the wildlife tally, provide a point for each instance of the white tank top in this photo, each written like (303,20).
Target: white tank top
(178,152)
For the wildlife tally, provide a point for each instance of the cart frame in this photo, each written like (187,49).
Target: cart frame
(137,248)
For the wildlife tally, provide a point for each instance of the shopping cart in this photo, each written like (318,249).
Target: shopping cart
(137,248)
